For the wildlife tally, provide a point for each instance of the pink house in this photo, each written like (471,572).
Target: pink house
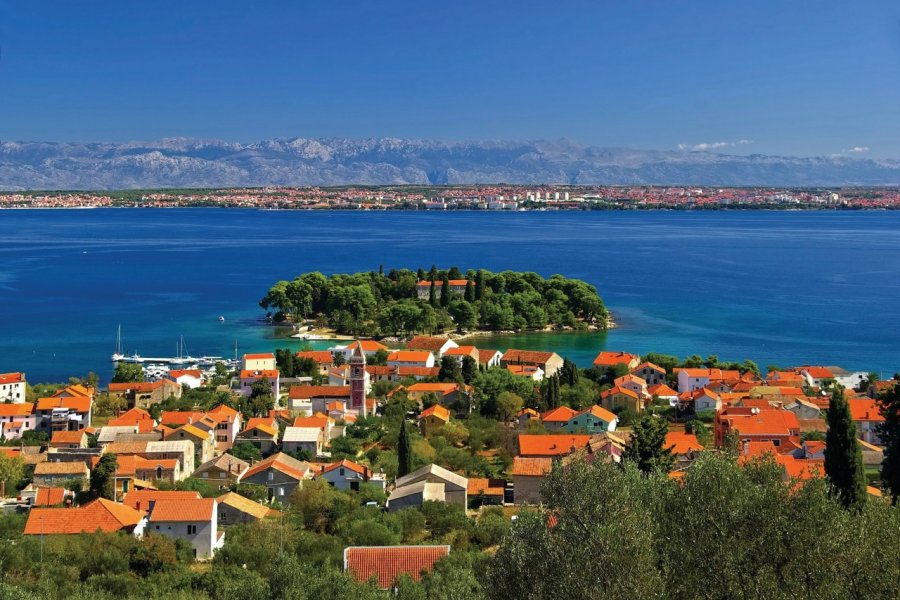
(16,419)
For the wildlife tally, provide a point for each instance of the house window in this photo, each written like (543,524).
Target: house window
(159,472)
(192,529)
(776,442)
(342,471)
(271,475)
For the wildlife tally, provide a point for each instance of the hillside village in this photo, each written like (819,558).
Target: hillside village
(192,454)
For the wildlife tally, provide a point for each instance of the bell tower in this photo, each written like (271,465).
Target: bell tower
(359,380)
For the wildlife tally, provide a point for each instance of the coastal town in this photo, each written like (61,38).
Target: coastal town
(194,454)
(500,197)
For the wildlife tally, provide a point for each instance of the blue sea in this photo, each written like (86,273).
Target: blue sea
(779,288)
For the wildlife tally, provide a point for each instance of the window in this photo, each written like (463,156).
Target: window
(192,529)
(271,475)
(342,471)
(222,474)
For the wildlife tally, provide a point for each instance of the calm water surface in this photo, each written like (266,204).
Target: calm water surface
(782,288)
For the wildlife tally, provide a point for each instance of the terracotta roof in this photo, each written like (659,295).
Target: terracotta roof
(224,409)
(437,411)
(610,359)
(682,443)
(259,374)
(244,505)
(551,445)
(484,486)
(485,355)
(560,414)
(176,373)
(414,371)
(75,390)
(818,372)
(649,365)
(427,342)
(437,388)
(67,437)
(16,410)
(195,509)
(321,357)
(523,370)
(463,351)
(141,499)
(601,413)
(619,390)
(260,356)
(302,392)
(367,346)
(317,421)
(347,464)
(101,514)
(179,417)
(282,463)
(414,356)
(865,409)
(265,424)
(661,390)
(764,422)
(11,378)
(61,468)
(49,496)
(387,563)
(439,283)
(79,404)
(141,387)
(527,356)
(531,467)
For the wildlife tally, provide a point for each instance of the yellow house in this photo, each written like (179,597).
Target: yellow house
(620,397)
(433,418)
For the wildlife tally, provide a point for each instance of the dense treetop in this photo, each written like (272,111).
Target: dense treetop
(378,303)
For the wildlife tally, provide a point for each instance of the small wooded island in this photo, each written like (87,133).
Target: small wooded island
(403,302)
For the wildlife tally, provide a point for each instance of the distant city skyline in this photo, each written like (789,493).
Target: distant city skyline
(766,77)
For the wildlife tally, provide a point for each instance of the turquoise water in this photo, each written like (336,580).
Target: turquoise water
(775,287)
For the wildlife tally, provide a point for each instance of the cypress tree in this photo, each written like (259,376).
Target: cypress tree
(420,274)
(470,291)
(843,457)
(431,295)
(445,291)
(647,447)
(404,451)
(479,285)
(889,432)
(556,394)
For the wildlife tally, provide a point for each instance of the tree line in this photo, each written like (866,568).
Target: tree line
(379,303)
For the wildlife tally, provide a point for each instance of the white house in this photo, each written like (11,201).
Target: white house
(259,362)
(707,400)
(193,520)
(12,388)
(410,358)
(347,475)
(692,379)
(249,377)
(310,439)
(193,378)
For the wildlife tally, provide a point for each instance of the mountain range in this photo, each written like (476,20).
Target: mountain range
(181,162)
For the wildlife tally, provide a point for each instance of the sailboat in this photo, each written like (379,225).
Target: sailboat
(118,355)
(180,359)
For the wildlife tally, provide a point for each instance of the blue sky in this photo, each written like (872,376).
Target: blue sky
(786,77)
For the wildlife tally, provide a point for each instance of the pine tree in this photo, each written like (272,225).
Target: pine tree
(554,382)
(479,285)
(445,291)
(647,447)
(102,484)
(470,291)
(469,369)
(404,451)
(450,371)
(889,432)
(420,274)
(843,457)
(431,295)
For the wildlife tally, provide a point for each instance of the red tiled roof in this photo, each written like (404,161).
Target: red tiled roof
(413,371)
(102,514)
(551,445)
(171,510)
(79,404)
(259,374)
(260,356)
(560,414)
(610,359)
(413,356)
(367,346)
(437,388)
(347,464)
(527,356)
(321,357)
(387,563)
(865,409)
(682,443)
(439,283)
(531,467)
(67,437)
(16,410)
(12,377)
(141,499)
(427,342)
(280,462)
(484,486)
(302,392)
(436,410)
(49,496)
(319,422)
(485,355)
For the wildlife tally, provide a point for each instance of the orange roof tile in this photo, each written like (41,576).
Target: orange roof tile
(259,374)
(527,356)
(302,392)
(259,356)
(560,414)
(551,445)
(865,409)
(437,411)
(12,378)
(531,467)
(611,359)
(282,463)
(682,443)
(67,437)
(413,356)
(49,496)
(387,563)
(78,404)
(16,410)
(182,510)
(101,514)
(141,499)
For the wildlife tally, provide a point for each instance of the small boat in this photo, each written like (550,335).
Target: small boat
(221,319)
(118,355)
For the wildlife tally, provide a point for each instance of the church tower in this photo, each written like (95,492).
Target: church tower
(359,380)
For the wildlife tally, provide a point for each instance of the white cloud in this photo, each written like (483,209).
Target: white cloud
(713,145)
(856,150)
